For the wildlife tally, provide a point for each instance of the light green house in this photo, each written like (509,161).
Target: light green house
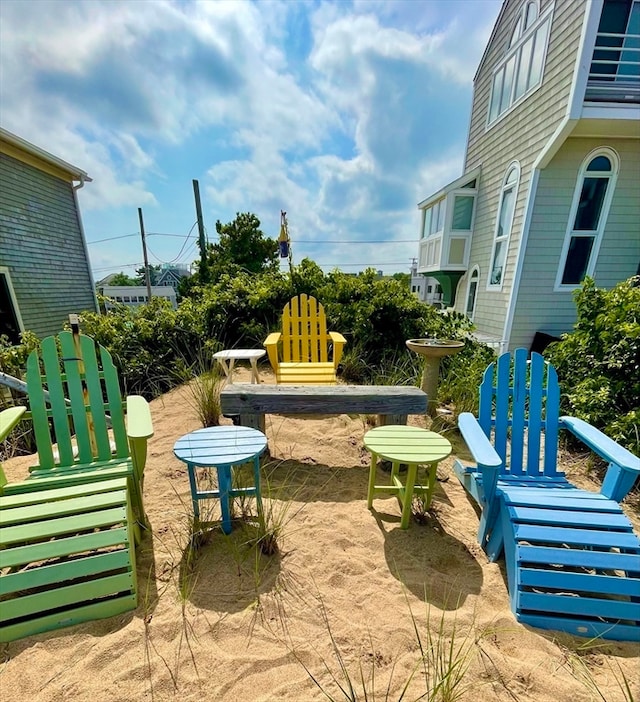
(44,266)
(551,186)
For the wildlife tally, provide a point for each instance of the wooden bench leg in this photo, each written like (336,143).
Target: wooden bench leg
(388,419)
(255,421)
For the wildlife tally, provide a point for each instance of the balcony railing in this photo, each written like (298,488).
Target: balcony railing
(614,75)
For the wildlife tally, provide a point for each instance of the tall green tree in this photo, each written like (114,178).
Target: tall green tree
(242,245)
(154,274)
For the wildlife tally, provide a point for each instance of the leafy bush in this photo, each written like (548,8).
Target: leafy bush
(598,363)
(13,359)
(150,347)
(155,347)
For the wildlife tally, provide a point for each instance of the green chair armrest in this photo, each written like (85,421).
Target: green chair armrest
(8,420)
(271,344)
(338,342)
(139,424)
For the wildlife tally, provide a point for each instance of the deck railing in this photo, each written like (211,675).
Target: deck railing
(614,75)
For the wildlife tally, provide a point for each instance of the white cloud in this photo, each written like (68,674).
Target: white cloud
(344,115)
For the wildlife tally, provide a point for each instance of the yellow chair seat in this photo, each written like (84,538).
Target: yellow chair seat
(306,374)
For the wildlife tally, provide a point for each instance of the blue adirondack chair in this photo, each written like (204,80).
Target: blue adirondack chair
(572,558)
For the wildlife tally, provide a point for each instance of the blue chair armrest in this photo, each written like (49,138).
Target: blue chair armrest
(481,449)
(624,467)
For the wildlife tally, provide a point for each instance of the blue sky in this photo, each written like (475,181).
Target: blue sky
(344,114)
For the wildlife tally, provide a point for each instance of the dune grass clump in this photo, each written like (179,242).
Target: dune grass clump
(445,653)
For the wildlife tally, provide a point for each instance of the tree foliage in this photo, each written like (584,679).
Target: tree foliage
(122,279)
(141,278)
(598,363)
(242,247)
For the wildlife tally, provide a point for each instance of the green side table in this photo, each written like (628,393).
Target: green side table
(410,445)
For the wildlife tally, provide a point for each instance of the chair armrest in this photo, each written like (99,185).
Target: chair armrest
(624,467)
(271,344)
(8,420)
(488,460)
(481,449)
(139,424)
(338,342)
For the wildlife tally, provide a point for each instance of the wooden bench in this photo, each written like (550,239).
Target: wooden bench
(252,402)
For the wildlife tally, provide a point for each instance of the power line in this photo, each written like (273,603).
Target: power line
(113,238)
(301,242)
(359,241)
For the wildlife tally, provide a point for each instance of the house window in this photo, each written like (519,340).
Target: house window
(588,217)
(434,219)
(506,208)
(462,212)
(10,320)
(472,291)
(520,71)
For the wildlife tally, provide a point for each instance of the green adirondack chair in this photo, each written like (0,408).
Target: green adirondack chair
(67,554)
(79,422)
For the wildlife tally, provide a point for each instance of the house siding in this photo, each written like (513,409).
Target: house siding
(42,245)
(505,141)
(538,307)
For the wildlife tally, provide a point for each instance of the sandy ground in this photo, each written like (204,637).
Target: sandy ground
(347,588)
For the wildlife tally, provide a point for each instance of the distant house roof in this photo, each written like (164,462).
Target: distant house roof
(22,150)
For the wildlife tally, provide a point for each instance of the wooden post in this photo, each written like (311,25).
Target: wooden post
(144,253)
(204,270)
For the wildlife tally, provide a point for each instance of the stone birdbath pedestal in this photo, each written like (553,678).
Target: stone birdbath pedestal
(433,350)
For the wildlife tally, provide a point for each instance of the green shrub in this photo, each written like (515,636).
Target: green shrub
(155,347)
(598,363)
(150,348)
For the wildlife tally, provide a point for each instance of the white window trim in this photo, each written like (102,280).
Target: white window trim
(475,269)
(604,215)
(461,192)
(12,294)
(511,51)
(516,186)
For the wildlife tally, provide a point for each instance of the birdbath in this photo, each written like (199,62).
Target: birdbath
(433,350)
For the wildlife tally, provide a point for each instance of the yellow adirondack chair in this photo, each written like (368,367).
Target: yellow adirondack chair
(304,353)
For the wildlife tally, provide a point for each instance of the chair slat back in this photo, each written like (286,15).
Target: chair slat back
(82,391)
(304,331)
(519,403)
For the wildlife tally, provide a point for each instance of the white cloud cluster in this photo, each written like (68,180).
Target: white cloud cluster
(343,114)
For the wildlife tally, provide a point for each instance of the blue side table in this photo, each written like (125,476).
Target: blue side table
(222,448)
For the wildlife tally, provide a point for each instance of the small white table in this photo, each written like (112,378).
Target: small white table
(228,357)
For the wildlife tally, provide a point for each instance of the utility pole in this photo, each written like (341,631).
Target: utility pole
(144,253)
(204,270)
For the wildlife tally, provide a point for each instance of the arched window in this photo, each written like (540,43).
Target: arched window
(588,217)
(504,221)
(530,14)
(472,292)
(520,71)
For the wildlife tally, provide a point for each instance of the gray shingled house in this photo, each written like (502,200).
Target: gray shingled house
(550,191)
(44,266)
